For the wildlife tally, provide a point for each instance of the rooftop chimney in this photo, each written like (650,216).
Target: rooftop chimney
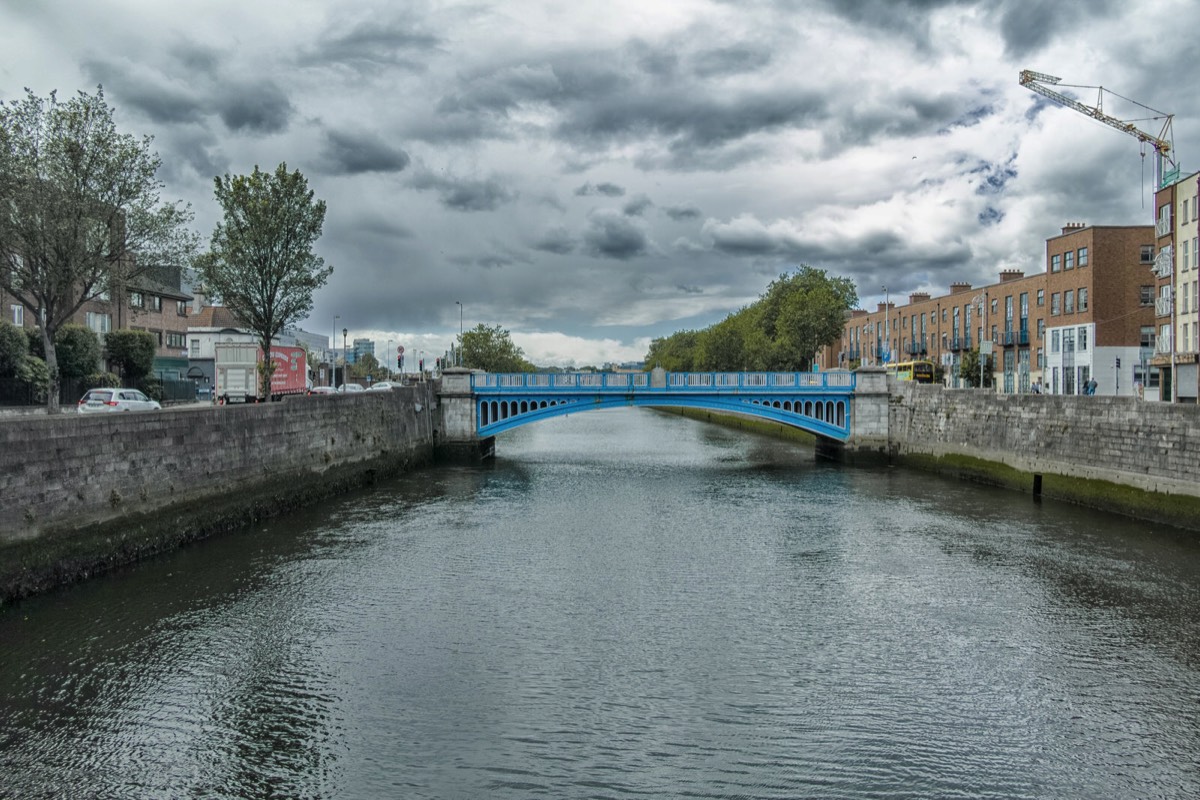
(917,297)
(959,286)
(1010,275)
(1073,226)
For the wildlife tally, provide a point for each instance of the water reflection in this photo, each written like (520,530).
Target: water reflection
(625,604)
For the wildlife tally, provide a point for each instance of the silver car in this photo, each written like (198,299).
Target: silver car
(103,401)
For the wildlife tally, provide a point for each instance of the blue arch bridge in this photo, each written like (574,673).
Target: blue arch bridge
(847,411)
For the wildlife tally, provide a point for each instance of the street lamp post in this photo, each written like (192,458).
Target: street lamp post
(388,359)
(460,333)
(345,365)
(333,352)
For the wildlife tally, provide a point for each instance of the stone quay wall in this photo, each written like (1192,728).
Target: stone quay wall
(81,493)
(1081,446)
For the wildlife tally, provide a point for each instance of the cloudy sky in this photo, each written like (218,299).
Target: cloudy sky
(590,175)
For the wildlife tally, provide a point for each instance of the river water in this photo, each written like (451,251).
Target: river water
(626,605)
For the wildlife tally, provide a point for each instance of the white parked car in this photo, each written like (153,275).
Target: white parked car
(103,401)
(382,386)
(322,390)
(351,388)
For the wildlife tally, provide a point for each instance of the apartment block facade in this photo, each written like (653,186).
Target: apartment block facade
(1087,314)
(1177,289)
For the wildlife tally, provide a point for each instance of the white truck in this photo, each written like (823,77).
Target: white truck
(237,372)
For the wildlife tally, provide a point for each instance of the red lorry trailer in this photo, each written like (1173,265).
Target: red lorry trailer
(237,371)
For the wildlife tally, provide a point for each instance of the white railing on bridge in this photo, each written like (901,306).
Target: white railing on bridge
(838,381)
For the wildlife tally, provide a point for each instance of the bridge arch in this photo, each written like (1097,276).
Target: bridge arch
(817,402)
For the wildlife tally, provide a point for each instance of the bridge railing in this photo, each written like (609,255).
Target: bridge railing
(625,382)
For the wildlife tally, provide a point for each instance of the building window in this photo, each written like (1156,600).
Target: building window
(176,341)
(1147,254)
(1147,295)
(1041,362)
(1055,304)
(1083,255)
(181,308)
(194,351)
(1148,337)
(136,300)
(1183,256)
(1069,301)
(1069,260)
(1196,251)
(1082,339)
(1184,215)
(1183,299)
(1083,298)
(1041,329)
(18,314)
(1041,297)
(1055,263)
(995,306)
(99,323)
(156,302)
(1054,341)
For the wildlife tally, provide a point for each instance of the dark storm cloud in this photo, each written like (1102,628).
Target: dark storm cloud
(356,153)
(692,120)
(466,194)
(158,97)
(260,107)
(1030,25)
(556,240)
(730,60)
(682,213)
(606,189)
(637,206)
(610,235)
(371,46)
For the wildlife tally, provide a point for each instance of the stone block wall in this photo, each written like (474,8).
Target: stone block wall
(1150,446)
(67,471)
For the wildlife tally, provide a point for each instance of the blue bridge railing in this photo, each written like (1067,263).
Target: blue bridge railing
(816,401)
(702,382)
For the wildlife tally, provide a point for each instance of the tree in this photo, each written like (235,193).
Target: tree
(678,352)
(260,262)
(14,349)
(968,369)
(805,311)
(492,349)
(132,353)
(81,214)
(78,350)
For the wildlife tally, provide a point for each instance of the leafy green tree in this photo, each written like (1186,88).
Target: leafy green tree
(492,349)
(260,261)
(367,366)
(968,369)
(805,311)
(14,349)
(131,352)
(81,213)
(675,353)
(78,349)
(796,316)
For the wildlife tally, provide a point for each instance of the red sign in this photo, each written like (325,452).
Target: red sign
(400,351)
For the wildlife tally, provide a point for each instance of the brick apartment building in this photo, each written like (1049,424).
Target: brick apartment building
(1177,289)
(1089,309)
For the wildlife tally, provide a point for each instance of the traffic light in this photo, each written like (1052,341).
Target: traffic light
(437,362)
(400,363)
(1118,363)
(421,365)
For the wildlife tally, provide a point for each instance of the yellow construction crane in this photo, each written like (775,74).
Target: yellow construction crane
(1166,170)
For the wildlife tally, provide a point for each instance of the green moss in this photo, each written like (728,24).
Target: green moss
(1182,511)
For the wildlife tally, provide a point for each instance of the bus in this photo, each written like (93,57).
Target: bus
(918,371)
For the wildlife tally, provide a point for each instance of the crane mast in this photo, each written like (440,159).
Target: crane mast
(1165,168)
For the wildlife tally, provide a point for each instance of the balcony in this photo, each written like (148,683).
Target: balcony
(915,348)
(1164,262)
(1162,226)
(1019,338)
(1162,306)
(956,343)
(1163,345)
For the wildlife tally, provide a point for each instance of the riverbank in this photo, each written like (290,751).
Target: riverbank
(88,494)
(952,450)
